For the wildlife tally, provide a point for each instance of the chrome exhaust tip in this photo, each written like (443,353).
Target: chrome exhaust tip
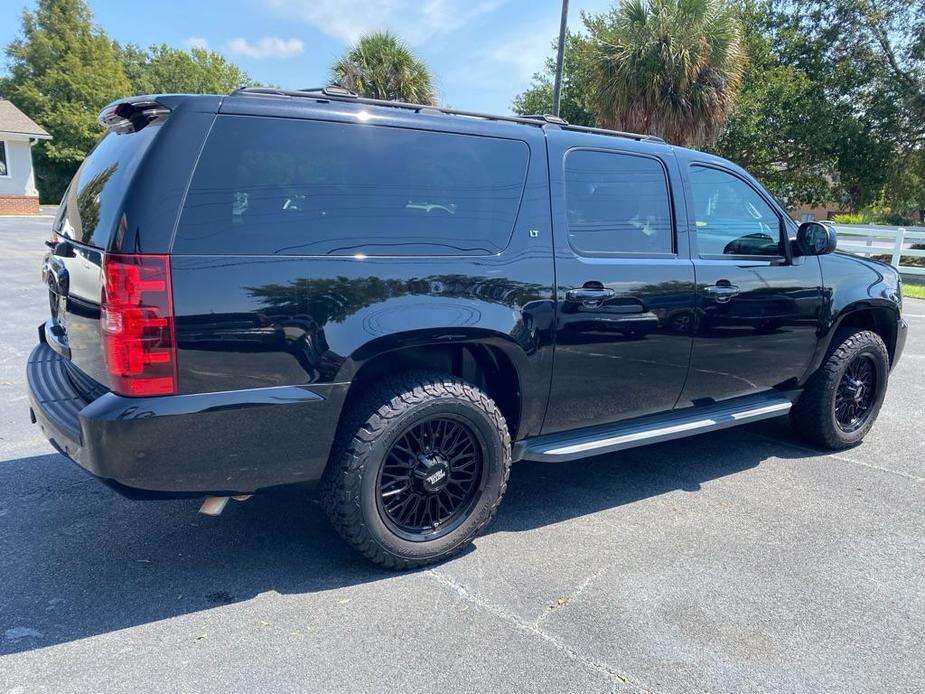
(214,505)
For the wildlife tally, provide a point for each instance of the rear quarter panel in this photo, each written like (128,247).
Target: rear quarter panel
(262,321)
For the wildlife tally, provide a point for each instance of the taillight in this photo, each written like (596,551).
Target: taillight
(136,324)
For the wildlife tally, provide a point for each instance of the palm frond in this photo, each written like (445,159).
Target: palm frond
(381,66)
(667,67)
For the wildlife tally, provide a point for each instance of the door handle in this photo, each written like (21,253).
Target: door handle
(589,296)
(721,293)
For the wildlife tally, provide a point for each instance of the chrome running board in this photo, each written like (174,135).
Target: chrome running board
(598,440)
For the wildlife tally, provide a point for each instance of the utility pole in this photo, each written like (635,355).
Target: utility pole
(557,85)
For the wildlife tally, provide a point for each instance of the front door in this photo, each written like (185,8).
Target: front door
(758,308)
(625,293)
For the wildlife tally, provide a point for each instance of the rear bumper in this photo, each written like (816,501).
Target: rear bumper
(233,442)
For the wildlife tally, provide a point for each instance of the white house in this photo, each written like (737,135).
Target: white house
(18,133)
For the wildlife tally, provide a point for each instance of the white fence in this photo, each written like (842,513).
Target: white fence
(895,242)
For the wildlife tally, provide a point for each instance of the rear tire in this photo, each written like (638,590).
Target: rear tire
(842,399)
(419,468)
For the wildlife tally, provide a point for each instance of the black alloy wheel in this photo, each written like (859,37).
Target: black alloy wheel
(841,400)
(856,393)
(419,468)
(430,477)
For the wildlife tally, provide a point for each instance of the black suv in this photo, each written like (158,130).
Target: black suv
(393,302)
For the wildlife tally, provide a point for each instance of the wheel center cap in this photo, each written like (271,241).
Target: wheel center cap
(432,473)
(856,390)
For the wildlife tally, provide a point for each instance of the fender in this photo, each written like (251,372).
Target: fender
(854,286)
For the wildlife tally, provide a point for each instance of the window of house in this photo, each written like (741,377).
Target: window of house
(617,203)
(4,166)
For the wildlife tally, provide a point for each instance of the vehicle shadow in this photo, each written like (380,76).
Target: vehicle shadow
(79,560)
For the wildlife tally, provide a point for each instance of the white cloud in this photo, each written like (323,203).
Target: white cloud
(196,42)
(415,21)
(266,47)
(521,55)
(511,60)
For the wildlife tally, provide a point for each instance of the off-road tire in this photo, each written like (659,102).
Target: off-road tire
(813,415)
(369,427)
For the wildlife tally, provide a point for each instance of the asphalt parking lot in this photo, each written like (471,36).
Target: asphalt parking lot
(738,561)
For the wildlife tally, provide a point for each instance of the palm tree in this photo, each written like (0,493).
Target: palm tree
(666,67)
(381,66)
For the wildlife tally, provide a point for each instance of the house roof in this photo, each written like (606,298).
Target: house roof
(12,120)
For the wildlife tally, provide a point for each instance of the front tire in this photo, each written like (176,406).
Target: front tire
(843,398)
(419,468)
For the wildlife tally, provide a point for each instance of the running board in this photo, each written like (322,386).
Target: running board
(582,443)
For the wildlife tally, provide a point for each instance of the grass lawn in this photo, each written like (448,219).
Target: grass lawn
(916,291)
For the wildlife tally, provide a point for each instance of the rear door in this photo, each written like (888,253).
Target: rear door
(124,198)
(758,308)
(625,291)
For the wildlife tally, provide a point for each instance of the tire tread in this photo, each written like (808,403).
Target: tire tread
(811,415)
(364,423)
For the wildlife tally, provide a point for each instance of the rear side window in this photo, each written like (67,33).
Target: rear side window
(617,203)
(296,187)
(93,202)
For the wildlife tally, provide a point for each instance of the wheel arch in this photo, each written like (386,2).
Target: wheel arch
(878,316)
(491,361)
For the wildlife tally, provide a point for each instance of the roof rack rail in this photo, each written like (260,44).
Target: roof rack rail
(332,90)
(617,133)
(548,118)
(338,93)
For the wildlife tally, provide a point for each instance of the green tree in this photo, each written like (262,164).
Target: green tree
(829,105)
(162,69)
(781,127)
(821,115)
(381,66)
(868,57)
(62,71)
(666,67)
(892,34)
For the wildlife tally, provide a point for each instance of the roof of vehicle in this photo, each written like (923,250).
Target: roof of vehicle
(338,103)
(341,95)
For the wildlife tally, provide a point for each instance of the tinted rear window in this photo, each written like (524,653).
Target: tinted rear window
(92,204)
(617,203)
(295,187)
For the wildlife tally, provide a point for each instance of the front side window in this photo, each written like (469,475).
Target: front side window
(299,187)
(731,217)
(4,170)
(617,203)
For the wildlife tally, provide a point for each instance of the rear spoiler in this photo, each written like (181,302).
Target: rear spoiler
(129,116)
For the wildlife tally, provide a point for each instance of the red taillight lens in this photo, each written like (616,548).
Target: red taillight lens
(136,324)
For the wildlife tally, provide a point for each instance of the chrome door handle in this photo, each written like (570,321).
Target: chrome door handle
(721,293)
(589,296)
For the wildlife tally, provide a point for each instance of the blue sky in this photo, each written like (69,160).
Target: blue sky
(482,52)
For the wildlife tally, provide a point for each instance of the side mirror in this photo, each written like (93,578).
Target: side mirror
(816,238)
